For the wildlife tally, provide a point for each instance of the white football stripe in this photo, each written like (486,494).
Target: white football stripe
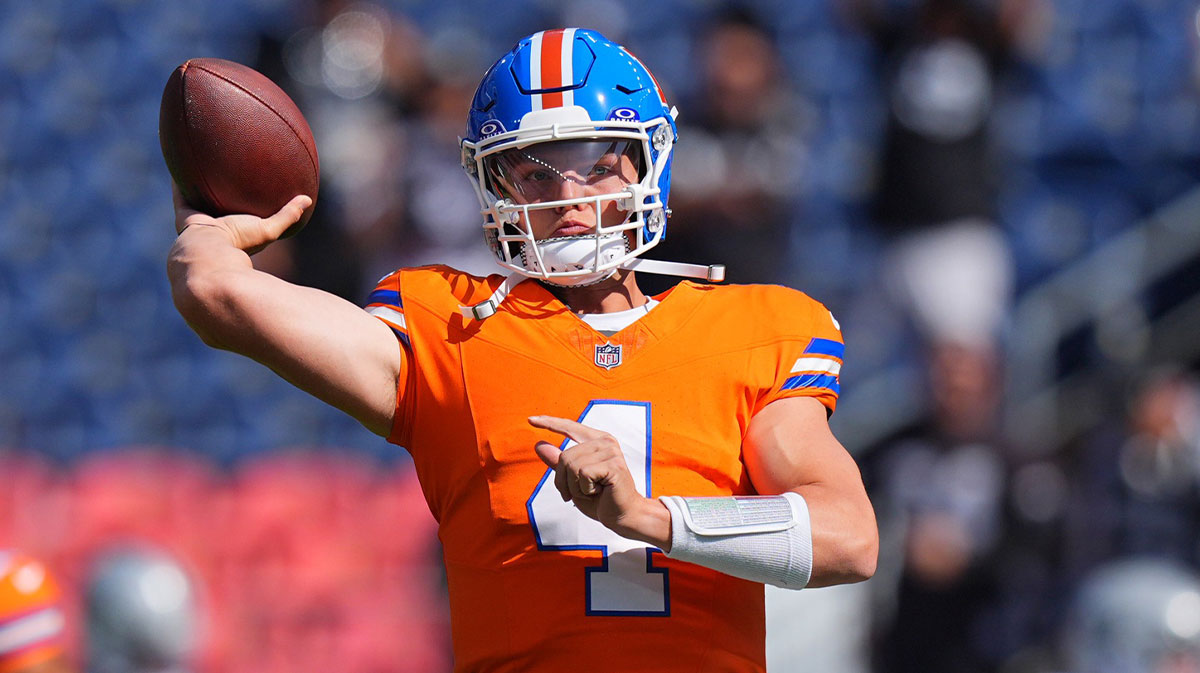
(30,629)
(388,314)
(535,67)
(823,365)
(568,70)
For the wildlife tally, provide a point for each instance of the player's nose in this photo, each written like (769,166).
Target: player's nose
(571,186)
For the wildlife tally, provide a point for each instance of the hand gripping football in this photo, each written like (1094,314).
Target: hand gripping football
(235,142)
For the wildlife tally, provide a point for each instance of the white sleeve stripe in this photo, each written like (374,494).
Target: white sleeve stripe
(30,629)
(389,314)
(822,365)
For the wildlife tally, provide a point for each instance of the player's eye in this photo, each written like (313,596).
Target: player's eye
(537,176)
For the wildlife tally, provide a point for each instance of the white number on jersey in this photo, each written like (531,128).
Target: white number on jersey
(626,583)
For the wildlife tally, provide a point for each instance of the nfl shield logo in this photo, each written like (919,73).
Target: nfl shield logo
(608,356)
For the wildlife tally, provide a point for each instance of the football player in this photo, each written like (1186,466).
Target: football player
(32,622)
(615,476)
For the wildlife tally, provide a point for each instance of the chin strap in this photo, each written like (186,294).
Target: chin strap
(713,273)
(487,308)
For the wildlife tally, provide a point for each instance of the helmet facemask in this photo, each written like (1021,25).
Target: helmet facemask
(529,183)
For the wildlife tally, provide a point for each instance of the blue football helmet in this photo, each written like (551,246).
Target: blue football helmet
(590,97)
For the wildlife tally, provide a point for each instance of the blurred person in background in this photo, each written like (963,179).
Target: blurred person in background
(354,73)
(737,174)
(946,262)
(141,614)
(940,487)
(32,621)
(1135,481)
(558,555)
(1134,615)
(375,86)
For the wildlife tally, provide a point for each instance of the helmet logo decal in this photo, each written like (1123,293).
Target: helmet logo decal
(608,355)
(490,128)
(551,67)
(626,114)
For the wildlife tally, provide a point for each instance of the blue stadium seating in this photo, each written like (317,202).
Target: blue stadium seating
(1097,130)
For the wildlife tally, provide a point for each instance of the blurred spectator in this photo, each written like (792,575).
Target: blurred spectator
(946,261)
(354,74)
(1136,615)
(141,614)
(1136,479)
(383,99)
(735,176)
(441,212)
(939,487)
(32,621)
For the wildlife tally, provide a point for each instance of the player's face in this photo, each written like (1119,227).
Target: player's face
(557,171)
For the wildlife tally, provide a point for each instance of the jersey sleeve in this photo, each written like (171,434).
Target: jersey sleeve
(809,364)
(385,303)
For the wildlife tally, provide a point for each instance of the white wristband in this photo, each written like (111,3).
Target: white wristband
(765,539)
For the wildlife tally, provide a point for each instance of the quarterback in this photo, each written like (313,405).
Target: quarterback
(615,476)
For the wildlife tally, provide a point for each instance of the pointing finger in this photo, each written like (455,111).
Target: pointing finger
(573,429)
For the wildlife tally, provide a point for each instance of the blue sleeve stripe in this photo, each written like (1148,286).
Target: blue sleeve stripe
(828,347)
(813,381)
(391,297)
(402,337)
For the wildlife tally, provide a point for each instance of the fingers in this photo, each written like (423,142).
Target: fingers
(548,453)
(573,429)
(288,215)
(582,471)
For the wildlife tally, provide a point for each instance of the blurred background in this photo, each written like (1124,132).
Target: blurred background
(996,198)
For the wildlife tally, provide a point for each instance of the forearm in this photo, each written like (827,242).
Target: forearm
(845,540)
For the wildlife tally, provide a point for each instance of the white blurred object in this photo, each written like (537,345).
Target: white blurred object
(957,278)
(1136,616)
(818,630)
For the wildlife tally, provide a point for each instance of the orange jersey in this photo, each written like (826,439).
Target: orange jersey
(31,621)
(534,584)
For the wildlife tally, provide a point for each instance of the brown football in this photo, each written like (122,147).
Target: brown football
(235,142)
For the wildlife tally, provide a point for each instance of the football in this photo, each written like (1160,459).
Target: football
(234,142)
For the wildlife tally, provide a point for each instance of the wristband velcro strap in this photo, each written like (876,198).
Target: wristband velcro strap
(737,514)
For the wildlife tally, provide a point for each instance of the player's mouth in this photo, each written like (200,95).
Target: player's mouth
(571,228)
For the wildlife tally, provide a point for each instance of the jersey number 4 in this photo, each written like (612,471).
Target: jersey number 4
(626,583)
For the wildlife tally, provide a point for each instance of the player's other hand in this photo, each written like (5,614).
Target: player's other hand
(594,476)
(247,232)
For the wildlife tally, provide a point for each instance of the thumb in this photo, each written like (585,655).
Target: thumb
(548,452)
(288,215)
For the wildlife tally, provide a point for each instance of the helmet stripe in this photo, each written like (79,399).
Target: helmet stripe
(552,67)
(535,68)
(568,66)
